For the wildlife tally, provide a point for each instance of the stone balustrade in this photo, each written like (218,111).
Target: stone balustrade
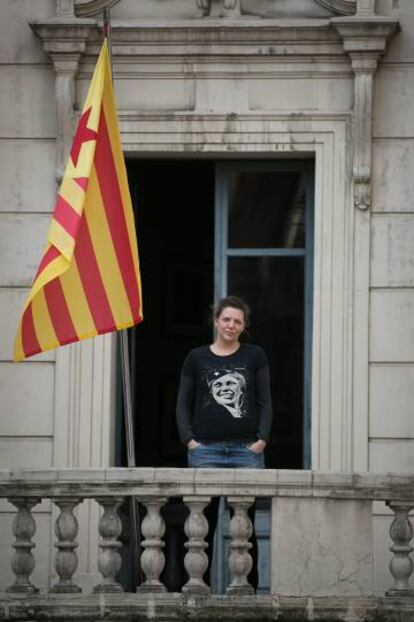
(321,543)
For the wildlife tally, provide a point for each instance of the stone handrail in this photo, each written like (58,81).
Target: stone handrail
(171,482)
(322,494)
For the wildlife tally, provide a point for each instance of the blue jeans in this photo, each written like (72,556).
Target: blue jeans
(225,455)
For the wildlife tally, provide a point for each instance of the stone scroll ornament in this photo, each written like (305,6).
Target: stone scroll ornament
(234,8)
(341,7)
(365,36)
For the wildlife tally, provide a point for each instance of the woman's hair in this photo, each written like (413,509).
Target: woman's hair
(236,303)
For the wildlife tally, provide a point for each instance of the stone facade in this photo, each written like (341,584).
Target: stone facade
(252,78)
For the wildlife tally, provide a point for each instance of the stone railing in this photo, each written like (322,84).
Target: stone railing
(321,543)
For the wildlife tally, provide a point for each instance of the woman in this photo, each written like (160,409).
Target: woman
(224,409)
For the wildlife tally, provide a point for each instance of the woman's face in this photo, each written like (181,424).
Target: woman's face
(226,389)
(230,324)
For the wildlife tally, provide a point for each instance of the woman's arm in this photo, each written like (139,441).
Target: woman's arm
(264,403)
(184,410)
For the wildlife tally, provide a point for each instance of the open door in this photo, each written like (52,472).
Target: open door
(205,230)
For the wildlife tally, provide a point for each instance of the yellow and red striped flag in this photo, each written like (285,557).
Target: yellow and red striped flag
(88,280)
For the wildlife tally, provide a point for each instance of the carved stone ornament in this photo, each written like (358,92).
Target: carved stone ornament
(90,8)
(365,36)
(341,7)
(223,8)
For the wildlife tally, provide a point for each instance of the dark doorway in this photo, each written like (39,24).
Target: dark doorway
(206,227)
(177,205)
(174,206)
(174,210)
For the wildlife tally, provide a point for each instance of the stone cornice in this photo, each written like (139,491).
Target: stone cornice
(365,33)
(223,37)
(64,36)
(194,37)
(216,37)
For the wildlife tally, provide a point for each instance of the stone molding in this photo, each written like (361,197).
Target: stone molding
(221,38)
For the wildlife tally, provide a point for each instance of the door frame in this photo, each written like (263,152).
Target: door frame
(223,252)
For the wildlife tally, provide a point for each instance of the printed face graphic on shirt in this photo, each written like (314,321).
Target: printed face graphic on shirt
(228,390)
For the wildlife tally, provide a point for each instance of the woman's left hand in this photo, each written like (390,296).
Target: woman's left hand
(258,446)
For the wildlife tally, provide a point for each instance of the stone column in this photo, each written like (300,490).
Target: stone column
(109,560)
(196,560)
(24,528)
(152,558)
(66,530)
(240,560)
(401,564)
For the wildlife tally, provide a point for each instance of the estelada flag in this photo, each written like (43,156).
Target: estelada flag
(88,280)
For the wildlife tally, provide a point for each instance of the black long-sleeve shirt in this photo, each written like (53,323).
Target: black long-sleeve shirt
(225,398)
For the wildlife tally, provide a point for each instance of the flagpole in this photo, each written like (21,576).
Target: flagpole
(126,384)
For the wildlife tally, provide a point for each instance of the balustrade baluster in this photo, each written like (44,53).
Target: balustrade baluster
(196,560)
(109,560)
(66,561)
(152,558)
(24,528)
(401,564)
(240,560)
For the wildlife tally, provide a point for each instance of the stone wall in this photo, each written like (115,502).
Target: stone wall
(391,369)
(27,143)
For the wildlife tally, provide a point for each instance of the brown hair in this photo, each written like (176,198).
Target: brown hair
(236,303)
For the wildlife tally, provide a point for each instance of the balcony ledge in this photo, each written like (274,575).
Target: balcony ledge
(133,607)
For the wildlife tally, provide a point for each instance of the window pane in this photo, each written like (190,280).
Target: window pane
(273,287)
(266,209)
